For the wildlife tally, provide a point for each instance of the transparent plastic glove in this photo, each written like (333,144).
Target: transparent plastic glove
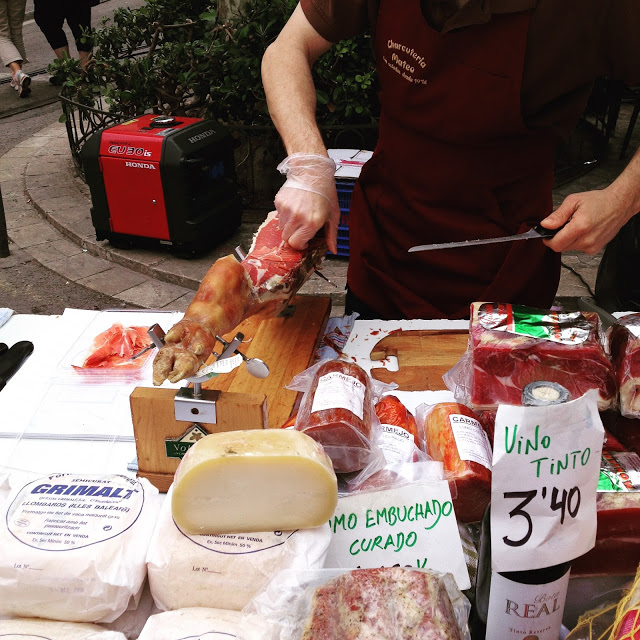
(308,200)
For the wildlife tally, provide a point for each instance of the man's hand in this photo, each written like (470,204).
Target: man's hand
(308,200)
(592,219)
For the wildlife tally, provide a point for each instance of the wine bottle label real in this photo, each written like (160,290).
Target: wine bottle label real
(525,611)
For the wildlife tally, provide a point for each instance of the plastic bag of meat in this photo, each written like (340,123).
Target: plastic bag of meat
(398,437)
(617,548)
(397,440)
(624,346)
(454,435)
(393,603)
(511,346)
(337,410)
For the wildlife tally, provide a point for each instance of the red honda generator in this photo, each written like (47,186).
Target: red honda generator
(163,180)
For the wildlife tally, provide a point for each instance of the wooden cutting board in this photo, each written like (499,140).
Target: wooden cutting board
(287,344)
(424,356)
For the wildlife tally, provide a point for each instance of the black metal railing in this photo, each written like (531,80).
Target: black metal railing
(82,121)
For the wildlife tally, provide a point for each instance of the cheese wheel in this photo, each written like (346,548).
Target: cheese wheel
(29,629)
(193,623)
(258,480)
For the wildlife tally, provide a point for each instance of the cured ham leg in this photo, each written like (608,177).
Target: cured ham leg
(230,292)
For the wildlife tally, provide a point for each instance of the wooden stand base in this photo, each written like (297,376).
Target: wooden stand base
(161,440)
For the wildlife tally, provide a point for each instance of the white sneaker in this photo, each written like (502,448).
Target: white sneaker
(21,82)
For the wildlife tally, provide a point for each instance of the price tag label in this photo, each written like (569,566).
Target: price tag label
(412,526)
(546,465)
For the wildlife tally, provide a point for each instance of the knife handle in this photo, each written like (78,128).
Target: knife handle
(13,359)
(547,233)
(3,348)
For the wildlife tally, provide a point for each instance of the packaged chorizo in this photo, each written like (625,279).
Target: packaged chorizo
(337,411)
(398,437)
(452,433)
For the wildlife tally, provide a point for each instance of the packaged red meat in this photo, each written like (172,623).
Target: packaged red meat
(393,603)
(626,430)
(337,411)
(624,346)
(388,603)
(617,549)
(399,474)
(511,346)
(398,431)
(453,434)
(116,347)
(113,347)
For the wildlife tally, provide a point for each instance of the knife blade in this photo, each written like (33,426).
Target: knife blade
(533,234)
(13,359)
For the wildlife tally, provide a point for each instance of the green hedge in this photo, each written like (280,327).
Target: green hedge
(177,57)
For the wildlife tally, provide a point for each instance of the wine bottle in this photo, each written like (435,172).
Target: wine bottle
(527,605)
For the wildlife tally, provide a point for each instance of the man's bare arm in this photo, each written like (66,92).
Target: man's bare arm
(595,217)
(286,75)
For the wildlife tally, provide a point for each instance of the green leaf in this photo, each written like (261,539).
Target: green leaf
(322,96)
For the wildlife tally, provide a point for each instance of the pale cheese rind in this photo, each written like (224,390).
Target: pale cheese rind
(27,628)
(258,480)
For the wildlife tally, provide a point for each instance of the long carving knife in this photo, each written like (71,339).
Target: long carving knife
(533,234)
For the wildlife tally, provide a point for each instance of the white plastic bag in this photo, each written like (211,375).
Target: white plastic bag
(224,571)
(73,547)
(380,602)
(337,410)
(28,629)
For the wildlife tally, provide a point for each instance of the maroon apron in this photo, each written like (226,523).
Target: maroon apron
(454,161)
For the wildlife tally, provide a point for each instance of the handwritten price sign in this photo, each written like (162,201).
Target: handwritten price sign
(411,526)
(546,464)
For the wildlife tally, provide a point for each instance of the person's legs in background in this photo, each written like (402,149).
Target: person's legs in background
(78,15)
(12,50)
(49,16)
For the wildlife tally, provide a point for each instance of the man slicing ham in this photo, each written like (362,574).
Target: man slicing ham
(475,95)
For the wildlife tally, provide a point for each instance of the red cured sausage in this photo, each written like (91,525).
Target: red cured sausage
(336,412)
(473,480)
(391,411)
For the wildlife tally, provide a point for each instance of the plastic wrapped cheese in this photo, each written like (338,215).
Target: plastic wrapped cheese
(258,480)
(192,623)
(30,629)
(224,571)
(73,547)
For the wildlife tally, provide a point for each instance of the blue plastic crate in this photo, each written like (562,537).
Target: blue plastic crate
(345,189)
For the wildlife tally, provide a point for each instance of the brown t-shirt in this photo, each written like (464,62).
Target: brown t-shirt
(570,43)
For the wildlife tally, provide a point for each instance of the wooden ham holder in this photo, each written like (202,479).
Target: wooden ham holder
(287,343)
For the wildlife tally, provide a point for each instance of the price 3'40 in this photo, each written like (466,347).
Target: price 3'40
(567,502)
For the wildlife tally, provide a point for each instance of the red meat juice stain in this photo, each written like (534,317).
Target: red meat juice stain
(375,333)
